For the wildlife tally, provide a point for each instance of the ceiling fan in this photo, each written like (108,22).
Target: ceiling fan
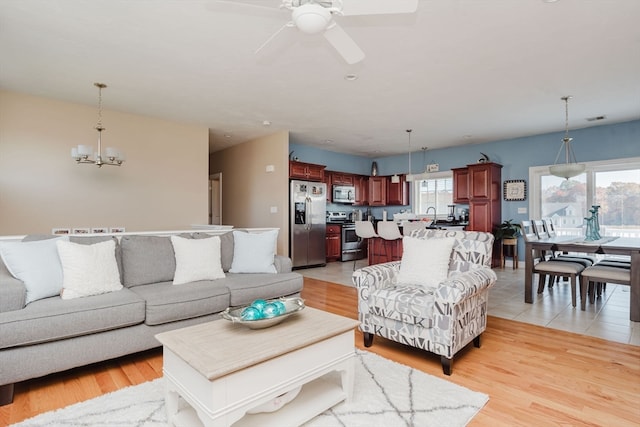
(316,16)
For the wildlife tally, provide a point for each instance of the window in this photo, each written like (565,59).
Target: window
(613,185)
(433,190)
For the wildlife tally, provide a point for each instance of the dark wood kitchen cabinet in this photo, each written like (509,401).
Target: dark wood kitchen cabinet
(362,190)
(340,178)
(306,171)
(461,185)
(378,190)
(333,245)
(483,194)
(398,192)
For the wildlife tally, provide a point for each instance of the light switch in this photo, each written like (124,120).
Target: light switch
(274,209)
(270,168)
(522,210)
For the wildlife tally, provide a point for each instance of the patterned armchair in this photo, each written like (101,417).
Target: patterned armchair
(442,320)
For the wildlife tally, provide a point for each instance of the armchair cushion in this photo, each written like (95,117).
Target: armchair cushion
(425,263)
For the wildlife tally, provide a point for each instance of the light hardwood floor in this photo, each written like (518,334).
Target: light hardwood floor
(535,376)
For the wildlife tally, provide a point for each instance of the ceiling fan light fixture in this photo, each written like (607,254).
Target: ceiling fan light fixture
(311,18)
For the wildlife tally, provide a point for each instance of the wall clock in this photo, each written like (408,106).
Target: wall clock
(515,189)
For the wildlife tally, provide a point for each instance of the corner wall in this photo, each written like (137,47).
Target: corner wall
(249,191)
(163,185)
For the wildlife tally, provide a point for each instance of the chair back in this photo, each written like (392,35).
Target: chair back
(470,247)
(409,226)
(528,233)
(551,229)
(364,229)
(389,230)
(540,229)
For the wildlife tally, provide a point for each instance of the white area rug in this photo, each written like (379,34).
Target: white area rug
(386,394)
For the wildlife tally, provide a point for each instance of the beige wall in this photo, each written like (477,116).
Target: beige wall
(249,191)
(163,185)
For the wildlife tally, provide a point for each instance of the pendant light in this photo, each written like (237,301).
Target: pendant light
(410,176)
(83,153)
(570,167)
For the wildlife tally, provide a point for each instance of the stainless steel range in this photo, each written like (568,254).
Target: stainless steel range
(352,247)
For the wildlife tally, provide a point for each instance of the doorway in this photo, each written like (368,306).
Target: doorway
(215,199)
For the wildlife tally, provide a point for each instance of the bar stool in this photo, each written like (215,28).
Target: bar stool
(364,230)
(389,231)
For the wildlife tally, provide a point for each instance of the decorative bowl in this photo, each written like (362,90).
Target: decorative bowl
(292,305)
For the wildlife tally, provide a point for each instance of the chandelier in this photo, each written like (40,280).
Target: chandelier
(83,153)
(570,167)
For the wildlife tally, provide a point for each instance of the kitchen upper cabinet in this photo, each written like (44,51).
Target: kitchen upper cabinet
(327,181)
(332,239)
(398,193)
(340,178)
(461,186)
(306,171)
(378,190)
(362,190)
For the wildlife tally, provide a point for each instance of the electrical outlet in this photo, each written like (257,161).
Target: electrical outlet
(522,210)
(274,209)
(270,168)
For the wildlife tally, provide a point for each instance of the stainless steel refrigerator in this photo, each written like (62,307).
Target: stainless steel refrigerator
(307,228)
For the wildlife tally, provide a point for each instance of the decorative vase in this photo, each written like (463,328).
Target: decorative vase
(374,169)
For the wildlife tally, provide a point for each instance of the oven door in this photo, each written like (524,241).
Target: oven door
(352,245)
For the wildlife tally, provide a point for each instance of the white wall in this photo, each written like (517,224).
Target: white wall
(249,191)
(163,185)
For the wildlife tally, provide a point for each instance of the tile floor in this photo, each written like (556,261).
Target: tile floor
(608,318)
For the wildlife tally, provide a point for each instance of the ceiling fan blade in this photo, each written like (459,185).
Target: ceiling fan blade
(377,7)
(273,36)
(344,44)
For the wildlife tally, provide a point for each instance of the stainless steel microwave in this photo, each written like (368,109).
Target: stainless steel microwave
(344,194)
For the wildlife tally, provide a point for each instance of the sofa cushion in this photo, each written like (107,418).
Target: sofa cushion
(90,240)
(88,269)
(254,252)
(196,259)
(36,264)
(404,304)
(226,247)
(147,259)
(52,319)
(245,288)
(167,303)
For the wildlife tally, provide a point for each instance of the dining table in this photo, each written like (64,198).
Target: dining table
(608,245)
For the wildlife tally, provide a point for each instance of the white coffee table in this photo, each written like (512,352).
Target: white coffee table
(215,372)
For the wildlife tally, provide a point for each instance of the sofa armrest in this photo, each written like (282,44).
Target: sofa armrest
(283,264)
(458,287)
(13,293)
(378,276)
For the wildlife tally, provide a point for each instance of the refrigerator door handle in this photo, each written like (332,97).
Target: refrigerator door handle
(309,215)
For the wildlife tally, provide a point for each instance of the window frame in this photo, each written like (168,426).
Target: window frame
(591,168)
(415,189)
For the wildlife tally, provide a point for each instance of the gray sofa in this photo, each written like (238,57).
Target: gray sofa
(54,334)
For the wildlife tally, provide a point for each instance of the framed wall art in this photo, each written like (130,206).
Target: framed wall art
(515,190)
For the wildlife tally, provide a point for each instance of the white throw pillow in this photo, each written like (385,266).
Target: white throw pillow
(197,259)
(254,252)
(36,264)
(88,269)
(425,262)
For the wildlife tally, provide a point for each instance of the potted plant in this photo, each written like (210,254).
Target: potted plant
(508,233)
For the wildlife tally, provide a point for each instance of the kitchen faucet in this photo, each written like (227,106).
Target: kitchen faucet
(434,213)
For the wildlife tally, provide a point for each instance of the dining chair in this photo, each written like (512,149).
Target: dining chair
(364,230)
(552,268)
(594,278)
(389,231)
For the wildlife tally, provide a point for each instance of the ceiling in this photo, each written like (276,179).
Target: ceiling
(456,71)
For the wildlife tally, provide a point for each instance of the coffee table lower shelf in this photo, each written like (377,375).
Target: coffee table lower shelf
(315,397)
